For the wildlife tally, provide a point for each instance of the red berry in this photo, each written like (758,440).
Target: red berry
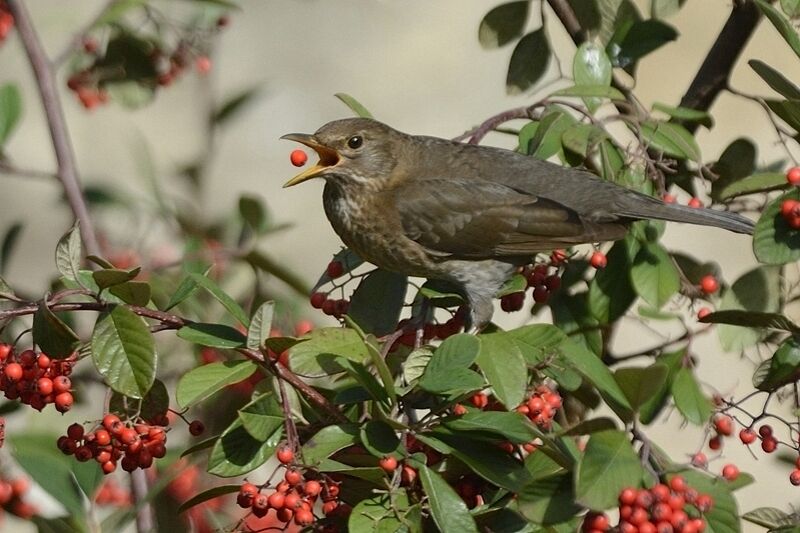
(769,444)
(661,512)
(285,454)
(730,472)
(459,410)
(127,436)
(83,453)
(704,503)
(202,64)
(596,521)
(335,269)
(13,372)
(408,475)
(709,284)
(724,425)
(647,527)
(552,282)
(276,500)
(285,514)
(479,400)
(794,477)
(318,299)
(63,402)
(108,467)
(699,460)
(388,464)
(329,507)
(303,517)
(695,202)
(5,349)
(678,484)
(291,501)
(703,312)
(293,476)
(27,359)
(661,492)
(61,384)
(698,525)
(765,430)
(788,207)
(793,176)
(747,436)
(75,431)
(196,428)
(669,198)
(627,496)
(44,386)
(102,437)
(512,302)
(541,294)
(598,260)
(715,442)
(644,498)
(109,421)
(43,361)
(312,488)
(298,158)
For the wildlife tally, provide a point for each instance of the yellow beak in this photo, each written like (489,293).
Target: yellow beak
(328,157)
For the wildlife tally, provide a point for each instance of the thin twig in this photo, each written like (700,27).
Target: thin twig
(77,38)
(11,170)
(45,80)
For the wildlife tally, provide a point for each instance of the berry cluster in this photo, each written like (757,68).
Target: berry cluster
(6,21)
(133,445)
(723,427)
(541,406)
(293,498)
(431,331)
(540,279)
(112,494)
(331,307)
(35,379)
(790,211)
(11,498)
(661,509)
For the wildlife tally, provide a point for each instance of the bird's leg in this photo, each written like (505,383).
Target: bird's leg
(416,324)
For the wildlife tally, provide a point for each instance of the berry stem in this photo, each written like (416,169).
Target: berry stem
(65,157)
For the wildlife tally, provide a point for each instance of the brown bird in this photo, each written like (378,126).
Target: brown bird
(464,213)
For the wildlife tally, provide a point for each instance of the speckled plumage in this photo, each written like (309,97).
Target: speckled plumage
(468,214)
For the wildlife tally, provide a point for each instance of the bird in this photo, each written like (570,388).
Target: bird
(468,214)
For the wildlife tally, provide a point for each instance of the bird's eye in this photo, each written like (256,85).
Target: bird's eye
(355,141)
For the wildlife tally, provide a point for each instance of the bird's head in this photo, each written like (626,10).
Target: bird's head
(352,150)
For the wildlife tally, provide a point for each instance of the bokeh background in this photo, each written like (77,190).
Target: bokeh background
(417,65)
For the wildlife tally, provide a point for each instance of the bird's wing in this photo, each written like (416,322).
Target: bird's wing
(481,219)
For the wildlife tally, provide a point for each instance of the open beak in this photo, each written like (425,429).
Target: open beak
(328,157)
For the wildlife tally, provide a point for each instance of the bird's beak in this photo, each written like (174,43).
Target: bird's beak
(328,157)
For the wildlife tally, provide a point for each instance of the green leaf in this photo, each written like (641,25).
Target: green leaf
(260,325)
(774,241)
(364,378)
(503,24)
(642,38)
(114,276)
(641,384)
(791,8)
(688,397)
(580,138)
(571,314)
(757,290)
(529,62)
(213,335)
(354,105)
(262,416)
(616,17)
(448,508)
(777,81)
(546,140)
(380,439)
(757,183)
(124,352)
(685,114)
(591,67)
(208,494)
(502,363)
(752,319)
(787,110)
(549,501)
(782,24)
(654,276)
(202,382)
(737,161)
(227,302)
(769,517)
(513,427)
(253,212)
(9,243)
(591,91)
(154,403)
(377,302)
(10,110)
(379,514)
(52,335)
(132,292)
(784,366)
(608,465)
(233,105)
(316,356)
(724,515)
(660,9)
(186,287)
(448,370)
(672,139)
(6,292)
(592,368)
(236,452)
(328,441)
(610,292)
(68,254)
(116,10)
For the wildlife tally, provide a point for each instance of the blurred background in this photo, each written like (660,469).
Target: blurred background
(416,65)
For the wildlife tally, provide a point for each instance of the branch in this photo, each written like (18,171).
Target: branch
(45,80)
(11,170)
(713,75)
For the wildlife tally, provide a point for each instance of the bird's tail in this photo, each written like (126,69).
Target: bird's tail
(654,208)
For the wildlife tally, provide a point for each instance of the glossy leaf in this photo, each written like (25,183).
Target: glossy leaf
(689,399)
(328,441)
(316,356)
(791,8)
(787,110)
(782,24)
(502,363)
(202,382)
(10,110)
(260,325)
(672,139)
(447,508)
(736,162)
(379,514)
(591,91)
(611,292)
(253,212)
(208,494)
(598,374)
(154,403)
(774,241)
(124,351)
(213,335)
(641,384)
(448,370)
(10,240)
(784,366)
(660,9)
(262,416)
(529,62)
(752,319)
(757,290)
(769,517)
(380,439)
(233,105)
(222,297)
(608,465)
(685,114)
(616,17)
(354,105)
(777,81)
(512,426)
(377,302)
(114,276)
(236,452)
(132,292)
(724,515)
(757,183)
(654,276)
(52,335)
(640,39)
(68,254)
(549,500)
(503,24)
(591,67)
